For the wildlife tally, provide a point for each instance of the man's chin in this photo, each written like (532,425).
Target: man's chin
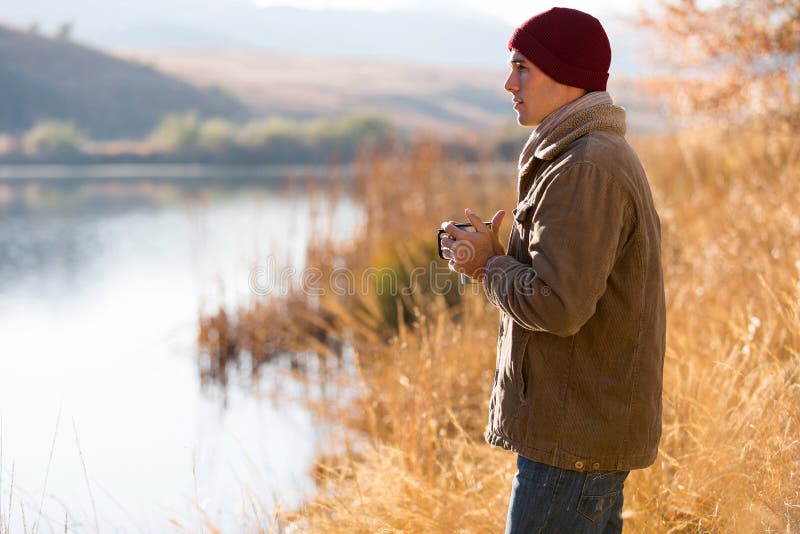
(523,121)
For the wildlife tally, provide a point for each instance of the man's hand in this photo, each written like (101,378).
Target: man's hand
(468,251)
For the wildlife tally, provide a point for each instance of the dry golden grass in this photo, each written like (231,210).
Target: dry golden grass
(730,453)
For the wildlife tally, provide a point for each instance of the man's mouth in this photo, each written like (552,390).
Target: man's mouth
(517,103)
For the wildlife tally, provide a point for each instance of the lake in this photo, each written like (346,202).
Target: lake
(103,419)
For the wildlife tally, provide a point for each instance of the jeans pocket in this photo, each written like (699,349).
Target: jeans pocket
(600,492)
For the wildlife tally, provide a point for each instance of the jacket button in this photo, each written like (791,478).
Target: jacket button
(596,466)
(579,465)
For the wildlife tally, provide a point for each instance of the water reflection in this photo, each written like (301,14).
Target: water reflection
(99,303)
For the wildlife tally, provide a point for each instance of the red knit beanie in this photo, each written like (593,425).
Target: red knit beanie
(568,45)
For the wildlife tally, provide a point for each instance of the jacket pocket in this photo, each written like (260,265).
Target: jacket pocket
(600,492)
(518,376)
(514,352)
(508,395)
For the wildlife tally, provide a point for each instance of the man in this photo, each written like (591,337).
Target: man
(577,388)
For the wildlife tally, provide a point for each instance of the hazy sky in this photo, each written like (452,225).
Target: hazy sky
(120,13)
(512,11)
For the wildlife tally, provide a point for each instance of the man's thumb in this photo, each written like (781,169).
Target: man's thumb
(497,220)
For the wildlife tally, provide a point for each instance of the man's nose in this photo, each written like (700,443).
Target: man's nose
(512,84)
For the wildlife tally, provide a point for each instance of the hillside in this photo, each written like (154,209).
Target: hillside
(441,99)
(418,97)
(105,96)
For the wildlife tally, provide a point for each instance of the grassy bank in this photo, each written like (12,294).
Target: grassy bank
(730,454)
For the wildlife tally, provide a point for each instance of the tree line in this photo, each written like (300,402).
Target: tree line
(185,137)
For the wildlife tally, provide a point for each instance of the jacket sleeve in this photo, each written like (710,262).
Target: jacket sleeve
(578,226)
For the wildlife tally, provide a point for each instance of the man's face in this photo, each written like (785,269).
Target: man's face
(536,95)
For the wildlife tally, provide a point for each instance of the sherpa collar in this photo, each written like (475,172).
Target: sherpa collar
(593,111)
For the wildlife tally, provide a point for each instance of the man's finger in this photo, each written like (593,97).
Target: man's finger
(447,248)
(476,221)
(497,221)
(454,231)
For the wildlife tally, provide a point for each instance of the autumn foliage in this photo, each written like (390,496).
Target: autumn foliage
(729,59)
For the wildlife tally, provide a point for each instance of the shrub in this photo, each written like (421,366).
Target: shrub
(177,131)
(54,138)
(216,134)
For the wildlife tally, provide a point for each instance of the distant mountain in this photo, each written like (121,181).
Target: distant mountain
(419,97)
(398,35)
(449,99)
(425,71)
(166,35)
(106,97)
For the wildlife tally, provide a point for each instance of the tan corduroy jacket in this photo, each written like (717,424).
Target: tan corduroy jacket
(582,330)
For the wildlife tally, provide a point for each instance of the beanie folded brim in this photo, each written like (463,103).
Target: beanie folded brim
(554,67)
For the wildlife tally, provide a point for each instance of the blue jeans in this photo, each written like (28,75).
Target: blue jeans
(548,499)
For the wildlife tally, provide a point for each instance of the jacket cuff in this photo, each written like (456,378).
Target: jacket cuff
(492,260)
(494,274)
